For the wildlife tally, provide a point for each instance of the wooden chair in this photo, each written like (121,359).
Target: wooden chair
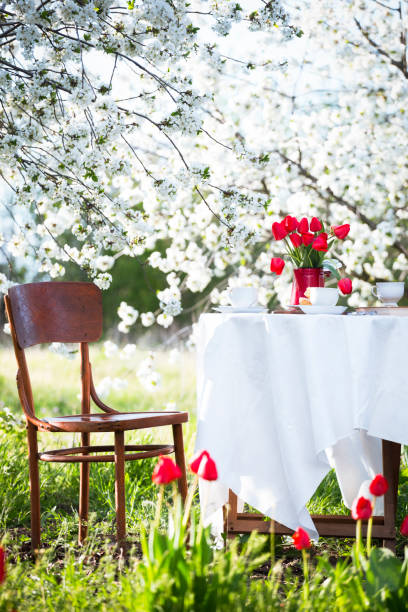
(72,312)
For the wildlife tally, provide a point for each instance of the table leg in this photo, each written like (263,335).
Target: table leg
(391,465)
(230,515)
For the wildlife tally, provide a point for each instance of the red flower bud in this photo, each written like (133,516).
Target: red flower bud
(278,231)
(320,243)
(379,485)
(2,565)
(404,527)
(341,231)
(290,223)
(361,508)
(277,265)
(296,240)
(165,471)
(345,285)
(301,539)
(315,225)
(196,460)
(303,226)
(204,466)
(308,238)
(207,469)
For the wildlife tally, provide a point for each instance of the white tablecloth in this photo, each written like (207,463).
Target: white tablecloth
(283,397)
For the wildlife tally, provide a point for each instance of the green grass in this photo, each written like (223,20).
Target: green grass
(67,577)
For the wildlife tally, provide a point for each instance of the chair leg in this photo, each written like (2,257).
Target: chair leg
(34,486)
(120,488)
(180,459)
(83,494)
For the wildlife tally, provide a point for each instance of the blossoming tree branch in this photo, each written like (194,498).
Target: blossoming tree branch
(102,108)
(198,125)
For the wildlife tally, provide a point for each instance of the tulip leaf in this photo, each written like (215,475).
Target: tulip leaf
(328,265)
(383,571)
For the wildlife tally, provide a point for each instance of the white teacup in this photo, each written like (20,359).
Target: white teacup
(389,293)
(323,296)
(243,297)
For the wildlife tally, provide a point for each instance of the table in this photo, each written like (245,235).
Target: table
(282,398)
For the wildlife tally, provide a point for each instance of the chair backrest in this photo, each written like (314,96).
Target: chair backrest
(56,312)
(53,312)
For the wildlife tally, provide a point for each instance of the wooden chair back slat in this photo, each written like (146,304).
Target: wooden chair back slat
(56,312)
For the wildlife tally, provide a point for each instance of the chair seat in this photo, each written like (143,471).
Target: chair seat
(120,421)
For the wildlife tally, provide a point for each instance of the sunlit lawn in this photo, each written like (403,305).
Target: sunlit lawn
(56,385)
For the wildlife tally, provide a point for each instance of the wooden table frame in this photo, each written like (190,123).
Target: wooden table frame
(329,525)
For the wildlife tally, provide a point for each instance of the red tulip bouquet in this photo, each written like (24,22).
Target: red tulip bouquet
(307,244)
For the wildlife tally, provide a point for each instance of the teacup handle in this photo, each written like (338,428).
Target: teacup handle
(374,291)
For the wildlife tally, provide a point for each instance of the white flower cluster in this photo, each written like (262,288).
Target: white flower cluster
(5,283)
(149,378)
(128,316)
(170,301)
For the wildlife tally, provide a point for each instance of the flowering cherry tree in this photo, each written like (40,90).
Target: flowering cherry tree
(199,124)
(107,135)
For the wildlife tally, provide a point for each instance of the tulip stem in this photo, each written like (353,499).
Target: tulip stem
(306,575)
(370,529)
(158,507)
(189,500)
(358,541)
(203,509)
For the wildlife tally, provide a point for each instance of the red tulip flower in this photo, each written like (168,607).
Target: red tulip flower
(341,231)
(307,238)
(315,225)
(207,469)
(378,486)
(196,460)
(361,508)
(303,226)
(345,285)
(301,539)
(277,265)
(2,565)
(320,243)
(165,471)
(296,240)
(404,527)
(290,223)
(204,466)
(278,231)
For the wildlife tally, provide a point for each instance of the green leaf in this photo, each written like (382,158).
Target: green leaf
(383,572)
(329,266)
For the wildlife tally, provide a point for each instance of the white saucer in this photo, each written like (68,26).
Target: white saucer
(249,309)
(337,310)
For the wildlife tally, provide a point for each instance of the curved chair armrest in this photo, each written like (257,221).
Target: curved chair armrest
(96,399)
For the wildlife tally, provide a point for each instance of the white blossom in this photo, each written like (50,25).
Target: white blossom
(147,319)
(110,348)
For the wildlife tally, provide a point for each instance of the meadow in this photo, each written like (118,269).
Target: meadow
(165,568)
